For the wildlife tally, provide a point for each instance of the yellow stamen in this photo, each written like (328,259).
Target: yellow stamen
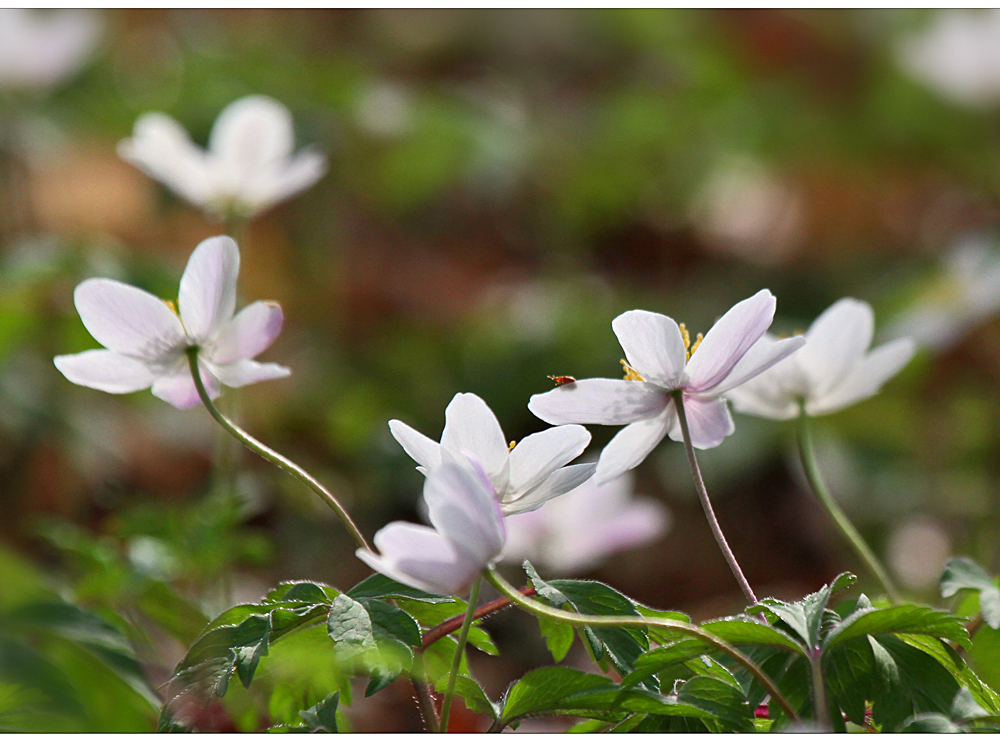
(511,446)
(697,342)
(171,304)
(686,337)
(630,373)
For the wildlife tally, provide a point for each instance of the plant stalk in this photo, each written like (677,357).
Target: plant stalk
(706,504)
(820,708)
(273,456)
(463,637)
(811,469)
(453,624)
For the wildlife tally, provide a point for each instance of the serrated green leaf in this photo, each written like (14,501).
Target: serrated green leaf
(388,620)
(248,657)
(661,658)
(725,702)
(965,708)
(558,637)
(350,626)
(323,716)
(805,617)
(471,693)
(656,633)
(546,688)
(303,592)
(962,573)
(918,682)
(850,671)
(900,619)
(740,631)
(380,586)
(983,694)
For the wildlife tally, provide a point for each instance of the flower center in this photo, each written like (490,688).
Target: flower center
(689,349)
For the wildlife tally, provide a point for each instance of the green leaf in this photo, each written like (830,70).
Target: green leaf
(962,573)
(661,658)
(913,681)
(851,677)
(558,637)
(349,625)
(380,586)
(740,631)
(547,689)
(656,633)
(323,716)
(929,723)
(724,701)
(983,694)
(965,708)
(388,620)
(899,619)
(471,693)
(805,617)
(248,657)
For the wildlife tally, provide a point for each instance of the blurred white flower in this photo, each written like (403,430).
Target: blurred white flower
(467,533)
(579,530)
(833,370)
(524,475)
(958,55)
(248,167)
(917,551)
(146,341)
(967,292)
(662,360)
(39,50)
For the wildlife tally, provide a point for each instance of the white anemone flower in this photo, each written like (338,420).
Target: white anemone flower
(146,340)
(579,530)
(834,370)
(660,361)
(249,165)
(524,475)
(467,534)
(39,50)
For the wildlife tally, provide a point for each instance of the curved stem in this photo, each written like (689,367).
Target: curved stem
(579,619)
(706,504)
(463,637)
(273,456)
(453,624)
(811,470)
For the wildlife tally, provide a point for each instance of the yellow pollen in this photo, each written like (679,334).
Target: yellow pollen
(630,373)
(511,446)
(686,337)
(171,305)
(697,342)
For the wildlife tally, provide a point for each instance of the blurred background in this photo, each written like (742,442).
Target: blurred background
(501,185)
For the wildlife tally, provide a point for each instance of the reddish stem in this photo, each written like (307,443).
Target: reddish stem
(454,624)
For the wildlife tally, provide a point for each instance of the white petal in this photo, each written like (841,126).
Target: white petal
(632,445)
(708,420)
(836,341)
(763,398)
(162,149)
(179,390)
(106,370)
(471,428)
(248,333)
(418,446)
(284,181)
(764,354)
(128,320)
(732,336)
(867,377)
(420,557)
(536,456)
(653,346)
(636,523)
(559,483)
(251,134)
(207,296)
(600,401)
(462,506)
(242,373)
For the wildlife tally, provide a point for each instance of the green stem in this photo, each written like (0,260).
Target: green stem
(811,469)
(706,504)
(578,619)
(820,708)
(274,457)
(463,637)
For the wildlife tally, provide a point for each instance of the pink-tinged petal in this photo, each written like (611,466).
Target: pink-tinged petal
(179,390)
(422,558)
(732,336)
(106,370)
(653,346)
(708,420)
(248,334)
(632,445)
(836,342)
(600,401)
(462,506)
(251,134)
(285,181)
(418,446)
(471,428)
(207,296)
(242,373)
(162,149)
(867,377)
(764,354)
(559,483)
(637,523)
(128,320)
(538,455)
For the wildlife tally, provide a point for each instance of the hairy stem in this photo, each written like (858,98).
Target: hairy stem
(818,682)
(706,504)
(832,509)
(579,619)
(453,624)
(274,457)
(463,637)
(425,701)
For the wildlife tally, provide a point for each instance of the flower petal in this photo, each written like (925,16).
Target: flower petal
(708,420)
(471,428)
(732,336)
(559,483)
(766,396)
(420,557)
(106,370)
(418,446)
(462,506)
(653,346)
(128,320)
(207,296)
(251,134)
(536,456)
(162,149)
(242,373)
(179,390)
(277,184)
(764,354)
(247,334)
(836,341)
(600,401)
(867,377)
(638,522)
(632,445)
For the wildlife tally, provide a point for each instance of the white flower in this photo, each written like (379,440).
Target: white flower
(834,370)
(958,55)
(523,475)
(38,50)
(146,340)
(967,293)
(579,530)
(248,167)
(467,534)
(660,363)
